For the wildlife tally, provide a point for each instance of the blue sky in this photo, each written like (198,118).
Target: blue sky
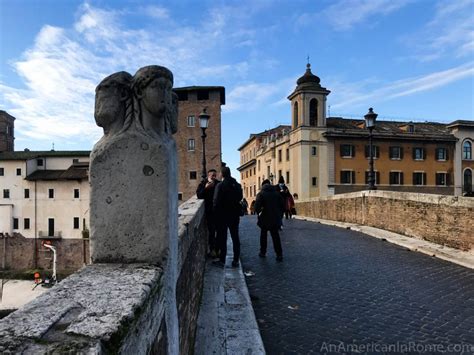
(410,60)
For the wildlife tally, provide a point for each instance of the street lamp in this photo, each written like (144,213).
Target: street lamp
(271,178)
(370,119)
(203,122)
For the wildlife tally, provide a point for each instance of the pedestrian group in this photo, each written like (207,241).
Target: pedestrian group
(224,205)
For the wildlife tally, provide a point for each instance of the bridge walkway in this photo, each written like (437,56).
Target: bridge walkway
(339,290)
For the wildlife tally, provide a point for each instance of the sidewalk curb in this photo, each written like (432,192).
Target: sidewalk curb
(455,256)
(226,321)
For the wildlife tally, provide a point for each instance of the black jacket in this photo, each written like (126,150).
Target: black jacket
(227,198)
(269,205)
(207,194)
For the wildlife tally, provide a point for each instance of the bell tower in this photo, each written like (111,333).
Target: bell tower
(308,101)
(6,132)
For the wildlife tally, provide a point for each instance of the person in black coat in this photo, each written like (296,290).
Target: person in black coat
(205,191)
(227,209)
(269,206)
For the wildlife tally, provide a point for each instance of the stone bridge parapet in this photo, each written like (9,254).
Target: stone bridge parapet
(115,308)
(445,220)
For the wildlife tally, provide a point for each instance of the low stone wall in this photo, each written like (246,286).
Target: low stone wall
(441,219)
(114,308)
(17,253)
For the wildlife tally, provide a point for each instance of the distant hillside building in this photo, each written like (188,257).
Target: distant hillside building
(7,137)
(323,156)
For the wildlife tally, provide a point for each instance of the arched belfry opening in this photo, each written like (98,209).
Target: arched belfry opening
(313,112)
(295,115)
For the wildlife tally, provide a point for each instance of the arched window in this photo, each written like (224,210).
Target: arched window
(467,183)
(313,112)
(295,115)
(467,150)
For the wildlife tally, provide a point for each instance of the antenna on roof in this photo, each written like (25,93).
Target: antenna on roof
(329,110)
(307,58)
(52,148)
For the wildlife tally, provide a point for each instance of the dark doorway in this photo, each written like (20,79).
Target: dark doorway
(51,227)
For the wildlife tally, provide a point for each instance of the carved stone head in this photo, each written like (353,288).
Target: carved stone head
(153,88)
(112,96)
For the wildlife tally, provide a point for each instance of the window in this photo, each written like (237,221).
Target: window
(191,121)
(287,177)
(51,193)
(419,178)
(467,181)
(27,193)
(279,174)
(15,223)
(395,153)
(246,173)
(411,128)
(466,150)
(76,223)
(76,193)
(191,144)
(313,151)
(258,165)
(26,223)
(442,179)
(39,162)
(347,151)
(203,95)
(279,155)
(419,153)
(347,177)
(254,190)
(254,171)
(287,154)
(314,181)
(18,171)
(377,177)
(182,95)
(75,161)
(259,181)
(6,193)
(180,196)
(375,151)
(2,171)
(268,171)
(192,175)
(441,154)
(396,178)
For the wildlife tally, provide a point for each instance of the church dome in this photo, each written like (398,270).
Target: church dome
(308,77)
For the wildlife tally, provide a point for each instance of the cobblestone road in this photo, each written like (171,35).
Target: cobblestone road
(342,291)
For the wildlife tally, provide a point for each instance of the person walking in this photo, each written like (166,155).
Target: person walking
(227,209)
(205,191)
(269,206)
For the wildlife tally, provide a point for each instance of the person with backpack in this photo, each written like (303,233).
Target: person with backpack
(269,206)
(227,209)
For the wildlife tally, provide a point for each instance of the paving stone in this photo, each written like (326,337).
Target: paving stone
(353,289)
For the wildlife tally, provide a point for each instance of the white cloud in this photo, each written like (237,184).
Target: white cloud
(361,92)
(63,66)
(449,33)
(157,12)
(344,15)
(248,97)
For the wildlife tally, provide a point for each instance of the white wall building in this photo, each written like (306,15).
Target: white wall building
(44,194)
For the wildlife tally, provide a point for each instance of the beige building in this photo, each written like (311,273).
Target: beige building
(44,194)
(322,156)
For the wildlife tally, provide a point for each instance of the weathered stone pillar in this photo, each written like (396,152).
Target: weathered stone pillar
(133,176)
